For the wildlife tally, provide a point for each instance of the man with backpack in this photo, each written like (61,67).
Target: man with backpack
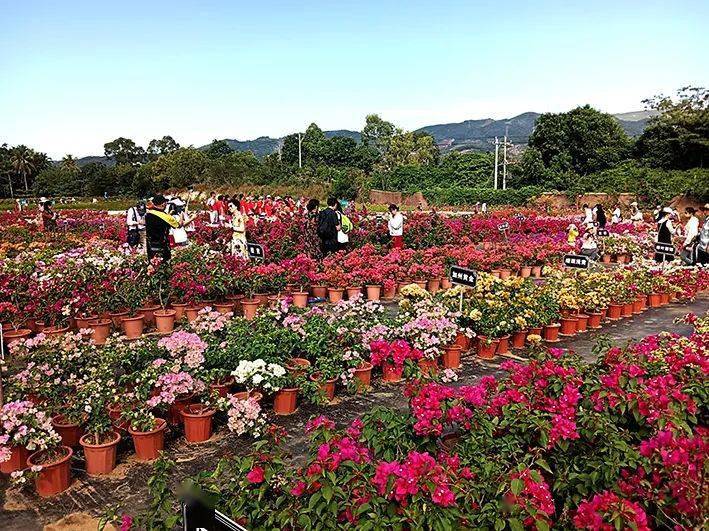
(328,227)
(135,222)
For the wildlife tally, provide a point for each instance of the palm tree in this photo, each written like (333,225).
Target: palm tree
(69,164)
(22,160)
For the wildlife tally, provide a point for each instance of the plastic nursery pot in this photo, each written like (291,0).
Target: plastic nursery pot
(191,313)
(389,293)
(638,306)
(70,432)
(249,307)
(100,457)
(446,283)
(148,312)
(518,338)
(326,386)
(451,357)
(568,326)
(486,348)
(654,300)
(221,387)
(243,395)
(434,285)
(525,271)
(503,347)
(179,308)
(149,444)
(55,330)
(198,420)
(285,401)
(55,475)
(174,413)
(505,273)
(665,298)
(101,330)
(551,333)
(334,295)
(428,367)
(319,292)
(353,291)
(224,307)
(594,319)
(133,326)
(14,335)
(374,292)
(421,283)
(391,373)
(116,317)
(363,373)
(84,321)
(606,259)
(462,341)
(536,271)
(300,299)
(164,321)
(297,366)
(582,324)
(17,461)
(615,311)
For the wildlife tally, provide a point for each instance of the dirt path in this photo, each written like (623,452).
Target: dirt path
(127,484)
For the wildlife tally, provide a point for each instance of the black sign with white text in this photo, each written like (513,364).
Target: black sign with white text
(464,277)
(255,250)
(503,226)
(197,516)
(576,260)
(665,248)
(603,232)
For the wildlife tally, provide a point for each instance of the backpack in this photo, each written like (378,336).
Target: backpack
(326,229)
(346,224)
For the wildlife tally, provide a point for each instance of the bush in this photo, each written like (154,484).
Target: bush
(458,195)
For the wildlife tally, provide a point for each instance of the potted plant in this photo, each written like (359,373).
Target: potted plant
(394,357)
(100,441)
(132,293)
(23,429)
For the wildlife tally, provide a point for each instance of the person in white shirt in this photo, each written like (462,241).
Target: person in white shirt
(691,231)
(135,223)
(587,215)
(213,214)
(483,208)
(617,216)
(635,215)
(396,227)
(589,246)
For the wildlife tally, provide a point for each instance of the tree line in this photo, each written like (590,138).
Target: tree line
(576,151)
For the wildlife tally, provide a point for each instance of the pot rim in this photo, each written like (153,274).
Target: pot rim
(113,442)
(53,463)
(161,426)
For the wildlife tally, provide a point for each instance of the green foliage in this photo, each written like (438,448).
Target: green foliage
(218,149)
(124,151)
(457,195)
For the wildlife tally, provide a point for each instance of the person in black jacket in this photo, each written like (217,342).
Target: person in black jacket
(328,225)
(157,229)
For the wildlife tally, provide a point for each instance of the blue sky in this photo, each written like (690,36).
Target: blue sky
(74,75)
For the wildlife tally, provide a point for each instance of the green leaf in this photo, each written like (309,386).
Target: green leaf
(515,524)
(517,486)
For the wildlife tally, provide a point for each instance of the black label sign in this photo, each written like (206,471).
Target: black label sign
(576,260)
(255,250)
(520,217)
(665,248)
(196,516)
(603,232)
(464,277)
(503,226)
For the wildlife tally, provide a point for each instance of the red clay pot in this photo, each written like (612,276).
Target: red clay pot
(179,308)
(434,285)
(148,312)
(222,387)
(101,330)
(327,386)
(165,320)
(628,309)
(505,273)
(319,292)
(55,330)
(149,444)
(615,311)
(637,306)
(604,313)
(297,366)
(421,283)
(451,357)
(654,300)
(174,413)
(391,373)
(535,331)
(518,338)
(594,319)
(486,348)
(334,295)
(133,326)
(117,317)
(100,458)
(300,299)
(17,461)
(525,271)
(374,292)
(70,432)
(55,476)
(428,367)
(568,326)
(14,335)
(582,324)
(536,271)
(364,374)
(191,313)
(224,307)
(389,293)
(198,421)
(643,302)
(665,298)
(243,395)
(84,320)
(249,307)
(353,291)
(446,283)
(462,341)
(285,401)
(606,259)
(551,332)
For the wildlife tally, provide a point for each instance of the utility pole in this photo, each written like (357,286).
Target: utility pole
(504,162)
(300,150)
(497,158)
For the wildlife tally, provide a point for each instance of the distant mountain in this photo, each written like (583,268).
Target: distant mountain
(470,135)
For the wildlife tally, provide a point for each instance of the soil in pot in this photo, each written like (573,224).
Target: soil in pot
(100,452)
(149,444)
(55,476)
(165,320)
(198,420)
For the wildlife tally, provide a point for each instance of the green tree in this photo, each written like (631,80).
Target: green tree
(124,151)
(409,148)
(582,140)
(162,146)
(314,145)
(377,133)
(678,138)
(70,165)
(95,179)
(180,169)
(218,148)
(23,162)
(530,171)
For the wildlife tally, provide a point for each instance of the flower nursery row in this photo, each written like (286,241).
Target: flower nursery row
(616,444)
(225,368)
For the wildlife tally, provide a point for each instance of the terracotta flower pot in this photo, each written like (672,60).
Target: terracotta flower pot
(262,298)
(55,330)
(373,292)
(285,401)
(503,346)
(100,458)
(198,421)
(55,476)
(70,432)
(363,373)
(192,312)
(148,312)
(582,324)
(133,326)
(83,321)
(604,313)
(401,284)
(486,348)
(606,259)
(594,319)
(354,291)
(117,318)
(637,306)
(326,386)
(654,300)
(300,299)
(224,307)
(525,271)
(615,311)
(179,308)
(273,301)
(244,395)
(101,330)
(297,366)
(222,387)
(165,320)
(391,373)
(17,461)
(665,298)
(495,273)
(622,258)
(451,357)
(628,309)
(14,335)
(446,283)
(319,292)
(335,295)
(149,444)
(462,341)
(505,273)
(551,332)
(536,271)
(428,367)
(535,331)
(568,326)
(643,302)
(389,293)
(174,413)
(518,338)
(249,308)
(434,285)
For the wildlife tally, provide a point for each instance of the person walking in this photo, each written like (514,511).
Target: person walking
(157,229)
(328,225)
(665,232)
(396,227)
(345,225)
(135,223)
(691,232)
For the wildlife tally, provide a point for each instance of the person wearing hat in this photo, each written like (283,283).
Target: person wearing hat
(157,229)
(636,217)
(665,232)
(135,223)
(691,231)
(47,217)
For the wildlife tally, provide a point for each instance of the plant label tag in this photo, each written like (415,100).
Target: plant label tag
(603,232)
(520,217)
(464,277)
(576,260)
(255,250)
(502,227)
